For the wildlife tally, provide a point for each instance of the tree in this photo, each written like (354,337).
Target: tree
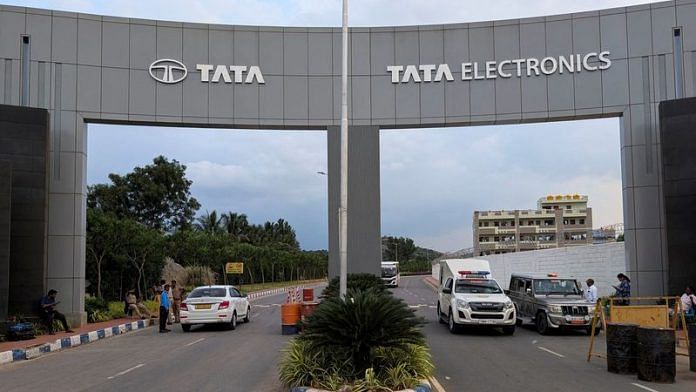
(397,249)
(102,240)
(157,195)
(144,249)
(236,226)
(209,223)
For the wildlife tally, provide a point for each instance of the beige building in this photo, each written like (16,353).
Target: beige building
(558,221)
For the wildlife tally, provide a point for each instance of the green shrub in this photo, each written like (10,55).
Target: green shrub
(117,309)
(367,320)
(96,309)
(355,282)
(152,306)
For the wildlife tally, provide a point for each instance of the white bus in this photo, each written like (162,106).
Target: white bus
(390,273)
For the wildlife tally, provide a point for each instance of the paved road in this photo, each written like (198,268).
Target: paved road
(209,359)
(206,359)
(490,361)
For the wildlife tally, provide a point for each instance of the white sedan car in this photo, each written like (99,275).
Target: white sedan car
(214,305)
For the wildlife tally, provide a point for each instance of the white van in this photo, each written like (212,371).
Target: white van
(468,295)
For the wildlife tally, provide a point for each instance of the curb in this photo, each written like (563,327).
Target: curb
(430,284)
(70,341)
(424,386)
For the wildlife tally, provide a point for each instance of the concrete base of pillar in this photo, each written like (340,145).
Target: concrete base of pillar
(76,320)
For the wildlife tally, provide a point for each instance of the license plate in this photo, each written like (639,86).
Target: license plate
(203,306)
(577,321)
(486,321)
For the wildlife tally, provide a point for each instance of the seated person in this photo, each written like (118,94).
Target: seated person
(135,307)
(49,313)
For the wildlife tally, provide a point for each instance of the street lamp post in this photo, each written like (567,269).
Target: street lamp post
(343,209)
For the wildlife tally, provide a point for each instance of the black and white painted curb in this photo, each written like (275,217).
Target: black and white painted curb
(70,341)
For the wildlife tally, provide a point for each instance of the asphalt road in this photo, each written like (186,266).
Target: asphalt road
(487,360)
(211,359)
(206,359)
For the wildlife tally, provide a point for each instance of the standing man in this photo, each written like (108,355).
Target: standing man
(49,313)
(688,301)
(176,301)
(164,309)
(591,292)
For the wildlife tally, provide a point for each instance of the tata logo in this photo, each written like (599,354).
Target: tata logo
(168,71)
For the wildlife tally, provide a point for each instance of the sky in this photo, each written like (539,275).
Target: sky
(431,179)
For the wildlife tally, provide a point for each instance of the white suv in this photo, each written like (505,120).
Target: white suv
(214,305)
(475,301)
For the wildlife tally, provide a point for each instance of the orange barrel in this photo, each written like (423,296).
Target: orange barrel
(290,316)
(308,308)
(308,295)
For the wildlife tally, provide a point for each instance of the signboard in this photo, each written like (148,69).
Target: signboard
(234,268)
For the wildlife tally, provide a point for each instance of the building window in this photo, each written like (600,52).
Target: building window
(495,224)
(512,224)
(582,221)
(485,224)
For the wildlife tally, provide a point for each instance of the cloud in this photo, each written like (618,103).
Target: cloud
(326,12)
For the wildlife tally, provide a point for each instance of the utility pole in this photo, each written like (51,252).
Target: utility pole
(343,209)
(396,251)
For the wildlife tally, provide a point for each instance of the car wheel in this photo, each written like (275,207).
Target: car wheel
(451,325)
(439,315)
(233,322)
(246,318)
(509,330)
(186,327)
(542,324)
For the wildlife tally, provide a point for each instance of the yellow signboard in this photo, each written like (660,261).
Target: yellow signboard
(234,268)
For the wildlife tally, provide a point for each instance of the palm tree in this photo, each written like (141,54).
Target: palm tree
(209,223)
(236,226)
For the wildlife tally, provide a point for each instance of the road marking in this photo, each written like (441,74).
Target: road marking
(126,371)
(194,342)
(262,306)
(436,384)
(644,387)
(551,352)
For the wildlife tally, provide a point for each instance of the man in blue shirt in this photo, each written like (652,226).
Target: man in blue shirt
(49,312)
(164,309)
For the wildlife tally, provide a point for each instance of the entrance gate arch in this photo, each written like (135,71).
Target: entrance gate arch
(88,68)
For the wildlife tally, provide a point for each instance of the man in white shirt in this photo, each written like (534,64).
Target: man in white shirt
(688,300)
(591,292)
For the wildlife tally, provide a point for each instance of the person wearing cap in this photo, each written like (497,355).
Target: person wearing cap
(49,312)
(591,291)
(175,295)
(138,308)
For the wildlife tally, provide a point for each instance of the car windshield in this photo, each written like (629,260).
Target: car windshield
(477,286)
(207,292)
(556,286)
(388,271)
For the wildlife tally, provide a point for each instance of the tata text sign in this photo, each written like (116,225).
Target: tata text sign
(171,71)
(234,268)
(501,69)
